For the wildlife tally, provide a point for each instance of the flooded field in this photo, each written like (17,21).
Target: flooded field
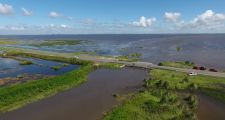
(203,49)
(12,68)
(86,102)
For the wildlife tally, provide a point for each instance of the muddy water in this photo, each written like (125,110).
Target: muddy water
(210,109)
(86,102)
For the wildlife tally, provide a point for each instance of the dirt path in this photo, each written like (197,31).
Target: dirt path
(86,102)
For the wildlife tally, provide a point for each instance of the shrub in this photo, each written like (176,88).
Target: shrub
(26,63)
(193,86)
(160,64)
(192,100)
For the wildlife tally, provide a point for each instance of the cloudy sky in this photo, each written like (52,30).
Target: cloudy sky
(111,16)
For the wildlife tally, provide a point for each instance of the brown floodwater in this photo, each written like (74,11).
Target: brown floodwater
(85,102)
(210,109)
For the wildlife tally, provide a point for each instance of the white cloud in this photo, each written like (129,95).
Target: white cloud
(13,27)
(208,21)
(59,15)
(172,17)
(55,15)
(6,9)
(144,22)
(26,12)
(57,26)
(64,26)
(208,18)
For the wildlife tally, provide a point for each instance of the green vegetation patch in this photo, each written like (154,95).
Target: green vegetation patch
(59,66)
(26,62)
(15,96)
(5,42)
(110,65)
(130,57)
(178,64)
(155,104)
(57,42)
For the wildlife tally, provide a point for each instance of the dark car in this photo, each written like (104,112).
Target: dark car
(202,68)
(213,70)
(196,67)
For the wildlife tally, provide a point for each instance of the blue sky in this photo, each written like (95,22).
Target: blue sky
(111,16)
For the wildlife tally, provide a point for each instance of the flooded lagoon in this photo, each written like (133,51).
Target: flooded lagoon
(86,102)
(12,68)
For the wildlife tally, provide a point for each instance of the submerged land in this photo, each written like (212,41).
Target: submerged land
(168,91)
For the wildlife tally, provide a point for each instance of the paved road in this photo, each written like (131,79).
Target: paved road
(149,65)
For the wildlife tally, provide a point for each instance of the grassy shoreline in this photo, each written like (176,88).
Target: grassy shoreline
(163,97)
(18,95)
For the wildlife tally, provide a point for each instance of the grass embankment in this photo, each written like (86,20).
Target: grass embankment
(11,53)
(57,42)
(178,64)
(163,99)
(15,96)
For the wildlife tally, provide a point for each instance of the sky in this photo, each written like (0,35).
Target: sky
(111,16)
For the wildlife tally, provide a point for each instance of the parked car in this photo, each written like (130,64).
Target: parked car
(202,68)
(196,68)
(192,74)
(213,70)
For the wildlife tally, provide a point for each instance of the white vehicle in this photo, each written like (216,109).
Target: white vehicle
(192,74)
(76,57)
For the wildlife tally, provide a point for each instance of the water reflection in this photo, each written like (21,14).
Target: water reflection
(12,68)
